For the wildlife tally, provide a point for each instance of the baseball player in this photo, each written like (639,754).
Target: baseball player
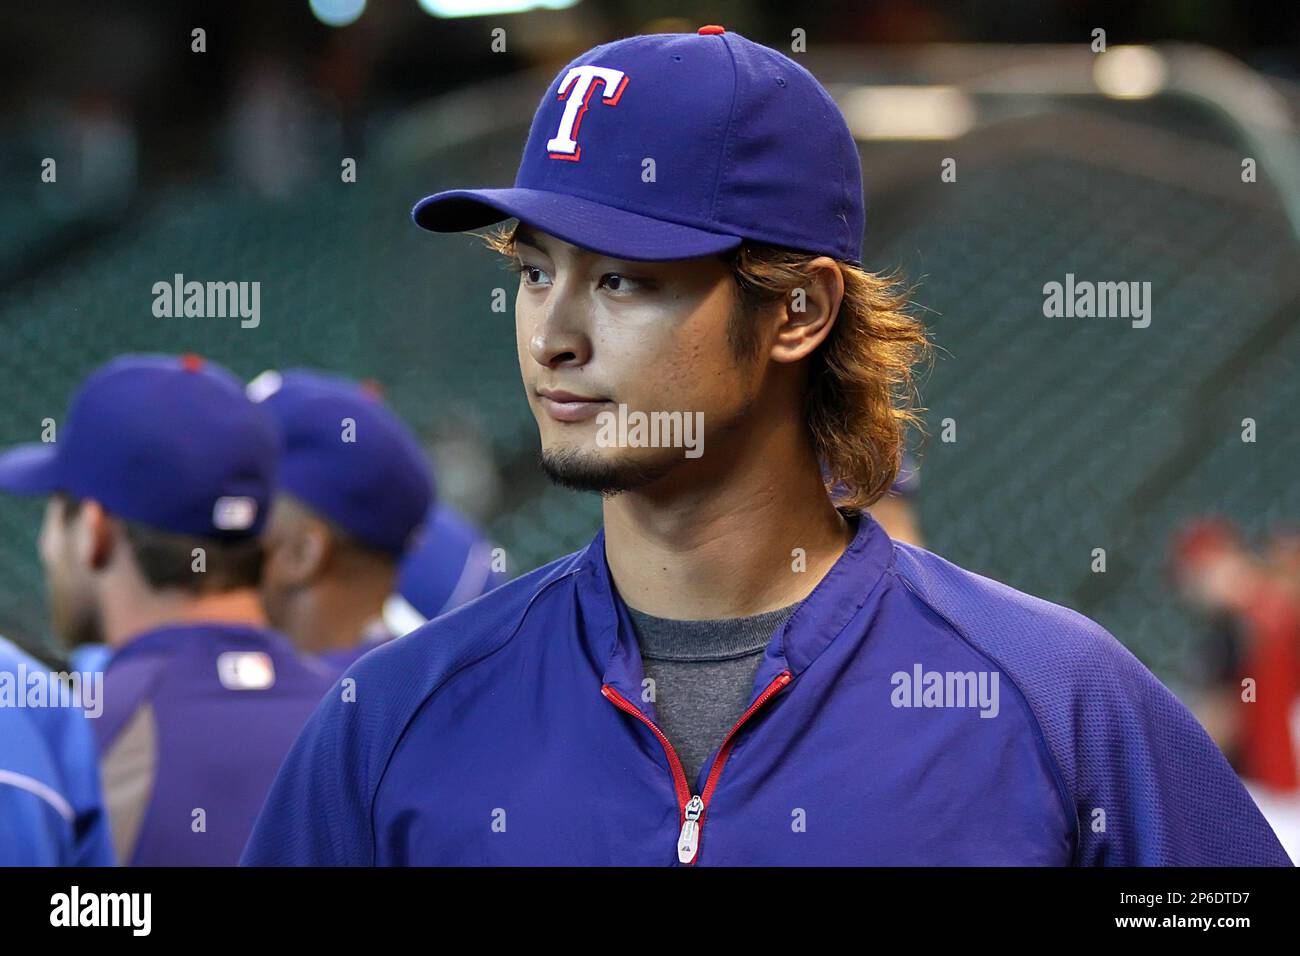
(354,487)
(450,563)
(51,812)
(160,481)
(738,669)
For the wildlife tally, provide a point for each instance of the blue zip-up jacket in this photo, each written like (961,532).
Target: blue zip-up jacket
(513,731)
(51,811)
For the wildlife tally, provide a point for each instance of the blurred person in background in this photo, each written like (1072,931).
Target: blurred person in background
(1282,552)
(1252,708)
(160,482)
(354,487)
(1251,599)
(51,810)
(450,563)
(276,127)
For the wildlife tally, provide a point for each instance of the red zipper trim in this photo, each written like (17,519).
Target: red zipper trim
(724,751)
(679,774)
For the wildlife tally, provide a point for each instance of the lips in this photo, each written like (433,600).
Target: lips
(569,406)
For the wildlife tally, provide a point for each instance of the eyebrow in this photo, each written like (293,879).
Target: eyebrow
(524,236)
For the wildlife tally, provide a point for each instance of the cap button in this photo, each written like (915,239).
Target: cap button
(191,361)
(711,30)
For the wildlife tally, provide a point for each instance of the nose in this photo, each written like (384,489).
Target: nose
(559,339)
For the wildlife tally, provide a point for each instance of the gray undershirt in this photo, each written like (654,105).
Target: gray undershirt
(703,673)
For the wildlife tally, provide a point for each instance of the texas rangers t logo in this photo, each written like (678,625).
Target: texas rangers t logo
(576,89)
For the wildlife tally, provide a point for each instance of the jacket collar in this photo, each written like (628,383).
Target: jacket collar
(821,617)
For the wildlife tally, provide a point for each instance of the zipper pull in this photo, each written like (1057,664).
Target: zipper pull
(688,844)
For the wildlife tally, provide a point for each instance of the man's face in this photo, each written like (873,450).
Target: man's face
(73,609)
(594,332)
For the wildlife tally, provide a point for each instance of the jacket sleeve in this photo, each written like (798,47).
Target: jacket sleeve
(318,810)
(31,831)
(1152,788)
(51,809)
(75,751)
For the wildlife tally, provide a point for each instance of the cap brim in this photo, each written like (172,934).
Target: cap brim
(603,229)
(29,470)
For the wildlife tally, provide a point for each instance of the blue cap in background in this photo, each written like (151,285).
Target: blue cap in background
(745,142)
(370,477)
(170,442)
(449,563)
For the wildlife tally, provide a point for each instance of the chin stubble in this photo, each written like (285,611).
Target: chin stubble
(580,470)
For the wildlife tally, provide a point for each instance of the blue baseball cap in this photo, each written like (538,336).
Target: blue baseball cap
(170,442)
(745,144)
(448,564)
(347,456)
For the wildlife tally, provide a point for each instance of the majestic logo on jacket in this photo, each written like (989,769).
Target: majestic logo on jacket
(576,89)
(246,670)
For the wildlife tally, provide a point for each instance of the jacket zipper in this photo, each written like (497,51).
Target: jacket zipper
(692,808)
